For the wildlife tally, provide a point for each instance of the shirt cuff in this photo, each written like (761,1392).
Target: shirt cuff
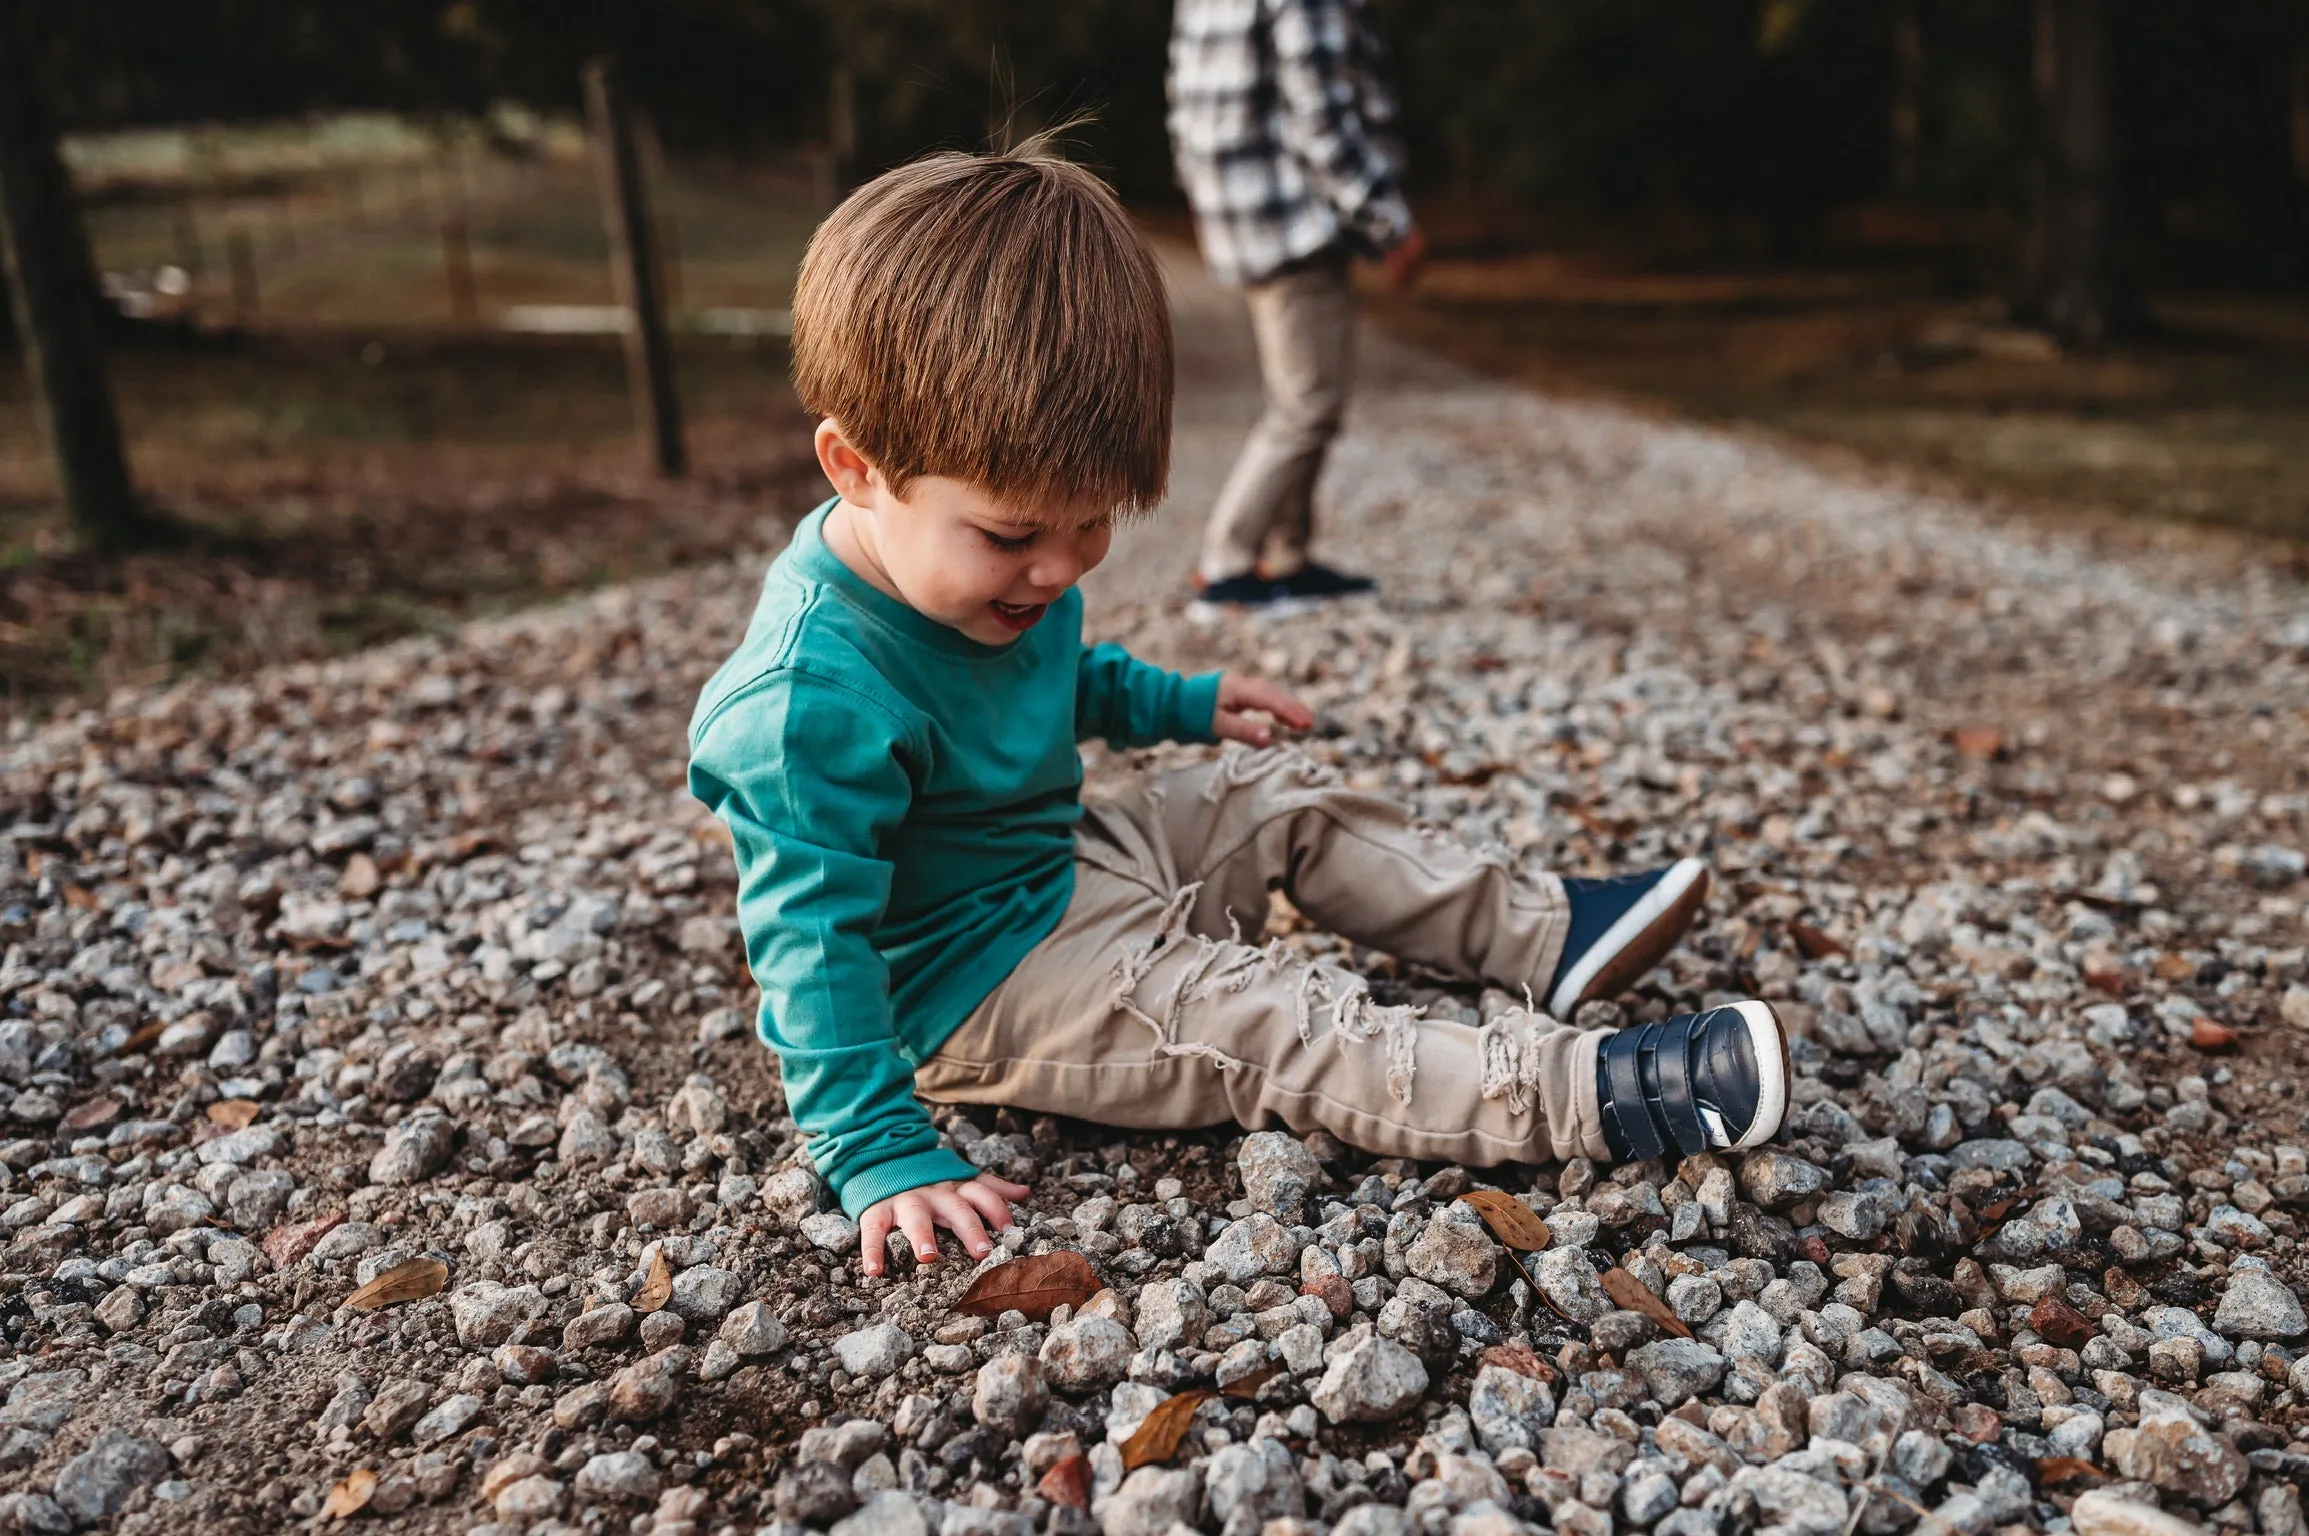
(900,1174)
(1198,709)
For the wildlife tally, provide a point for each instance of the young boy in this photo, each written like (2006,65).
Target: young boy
(926,902)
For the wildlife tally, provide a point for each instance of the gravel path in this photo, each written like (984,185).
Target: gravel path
(419,966)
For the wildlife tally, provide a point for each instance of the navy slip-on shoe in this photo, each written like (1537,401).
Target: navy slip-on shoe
(1699,1082)
(1318,581)
(1620,928)
(1248,590)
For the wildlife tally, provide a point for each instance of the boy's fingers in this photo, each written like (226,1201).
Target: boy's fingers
(1004,1187)
(873,1234)
(916,1217)
(989,1203)
(961,1217)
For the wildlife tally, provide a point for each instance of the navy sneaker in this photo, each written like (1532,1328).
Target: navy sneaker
(1620,928)
(1699,1082)
(1249,590)
(1317,581)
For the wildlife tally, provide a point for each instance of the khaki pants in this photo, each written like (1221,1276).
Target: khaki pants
(1304,324)
(1154,1006)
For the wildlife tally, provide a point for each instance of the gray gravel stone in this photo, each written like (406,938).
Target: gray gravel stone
(874,1351)
(414,1150)
(1369,1380)
(93,1485)
(2258,1305)
(1677,1370)
(1278,1172)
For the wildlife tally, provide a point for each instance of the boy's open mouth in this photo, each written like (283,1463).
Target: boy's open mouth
(1018,616)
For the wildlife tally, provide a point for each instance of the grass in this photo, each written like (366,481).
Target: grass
(2206,420)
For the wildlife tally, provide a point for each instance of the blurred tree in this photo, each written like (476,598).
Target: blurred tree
(52,291)
(2071,264)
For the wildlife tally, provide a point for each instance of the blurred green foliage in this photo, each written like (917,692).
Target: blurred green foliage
(1763,116)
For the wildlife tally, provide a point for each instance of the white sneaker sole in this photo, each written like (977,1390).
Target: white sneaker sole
(1633,923)
(1769,1044)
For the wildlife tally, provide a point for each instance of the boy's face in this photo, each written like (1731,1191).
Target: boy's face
(951,551)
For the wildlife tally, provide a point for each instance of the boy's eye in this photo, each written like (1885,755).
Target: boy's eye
(1008,545)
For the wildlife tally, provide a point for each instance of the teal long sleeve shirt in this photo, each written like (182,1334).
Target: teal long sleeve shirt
(902,801)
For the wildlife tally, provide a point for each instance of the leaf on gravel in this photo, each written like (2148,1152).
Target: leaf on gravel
(1157,1439)
(288,1243)
(1247,1387)
(143,1038)
(2206,1035)
(2065,1469)
(80,897)
(657,1290)
(1816,943)
(413,1281)
(88,1116)
(1510,1220)
(1636,1296)
(1067,1482)
(361,877)
(1035,1285)
(1519,1359)
(233,1114)
(352,1495)
(1981,742)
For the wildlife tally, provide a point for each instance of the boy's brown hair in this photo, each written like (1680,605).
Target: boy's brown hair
(996,319)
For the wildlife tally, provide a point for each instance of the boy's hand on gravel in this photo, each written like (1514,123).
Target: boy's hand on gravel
(964,1209)
(1240,697)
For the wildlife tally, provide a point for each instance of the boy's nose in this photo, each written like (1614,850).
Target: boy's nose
(1056,571)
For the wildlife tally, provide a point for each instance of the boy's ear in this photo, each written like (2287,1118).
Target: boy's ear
(850,472)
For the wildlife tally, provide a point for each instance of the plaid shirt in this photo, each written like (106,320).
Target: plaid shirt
(1283,132)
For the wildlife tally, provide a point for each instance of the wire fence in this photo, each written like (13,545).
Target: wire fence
(466,233)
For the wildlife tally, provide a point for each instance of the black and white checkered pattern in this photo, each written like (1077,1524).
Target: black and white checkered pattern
(1283,129)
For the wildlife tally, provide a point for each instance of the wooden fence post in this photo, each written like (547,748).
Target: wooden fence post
(633,257)
(241,261)
(457,269)
(52,284)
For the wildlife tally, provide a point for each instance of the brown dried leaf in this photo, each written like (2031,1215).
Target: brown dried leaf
(361,877)
(351,1496)
(1247,1387)
(656,1290)
(80,896)
(2206,1035)
(1035,1285)
(1980,742)
(2066,1469)
(1067,1482)
(1636,1296)
(1510,1220)
(143,1038)
(1157,1439)
(1519,1359)
(288,1243)
(233,1114)
(413,1281)
(88,1116)
(1816,943)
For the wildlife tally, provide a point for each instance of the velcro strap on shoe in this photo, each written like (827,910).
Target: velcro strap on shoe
(1679,1110)
(1623,1056)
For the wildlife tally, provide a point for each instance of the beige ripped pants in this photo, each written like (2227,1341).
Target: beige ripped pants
(1153,1004)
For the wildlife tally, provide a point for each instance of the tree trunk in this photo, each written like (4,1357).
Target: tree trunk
(2072,288)
(1907,95)
(52,290)
(2300,93)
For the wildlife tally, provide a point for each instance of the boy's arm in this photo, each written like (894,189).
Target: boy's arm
(807,776)
(1128,703)
(1322,88)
